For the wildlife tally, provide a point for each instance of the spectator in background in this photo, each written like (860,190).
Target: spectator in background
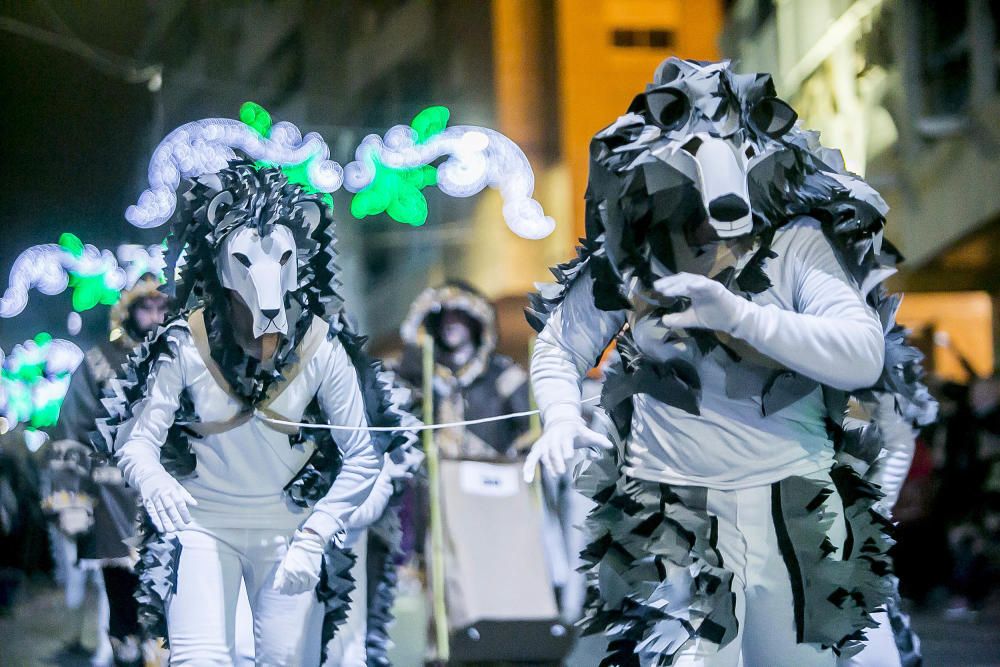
(98,489)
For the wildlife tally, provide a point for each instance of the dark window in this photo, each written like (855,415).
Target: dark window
(944,56)
(653,38)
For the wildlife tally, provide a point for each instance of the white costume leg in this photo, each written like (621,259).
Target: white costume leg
(74,576)
(748,543)
(880,647)
(104,653)
(287,628)
(348,646)
(244,630)
(769,634)
(732,547)
(201,612)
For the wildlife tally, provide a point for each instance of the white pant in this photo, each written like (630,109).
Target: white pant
(764,606)
(880,647)
(201,612)
(348,648)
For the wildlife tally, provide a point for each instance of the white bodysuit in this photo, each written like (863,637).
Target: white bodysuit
(243,521)
(731,444)
(812,320)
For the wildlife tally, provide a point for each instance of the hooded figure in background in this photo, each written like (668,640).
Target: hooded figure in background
(471,379)
(93,510)
(489,515)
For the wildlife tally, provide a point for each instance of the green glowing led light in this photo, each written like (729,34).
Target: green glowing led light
(88,291)
(72,244)
(46,415)
(397,192)
(429,122)
(26,384)
(256,117)
(259,119)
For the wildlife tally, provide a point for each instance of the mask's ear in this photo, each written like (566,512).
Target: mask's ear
(311,215)
(223,199)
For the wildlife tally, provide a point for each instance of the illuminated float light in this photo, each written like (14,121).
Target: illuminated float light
(96,276)
(397,192)
(477,157)
(74,323)
(34,379)
(206,147)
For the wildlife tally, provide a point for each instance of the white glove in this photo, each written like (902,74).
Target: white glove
(712,305)
(299,569)
(557,444)
(166,501)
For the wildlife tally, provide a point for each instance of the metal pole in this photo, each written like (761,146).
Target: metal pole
(437,529)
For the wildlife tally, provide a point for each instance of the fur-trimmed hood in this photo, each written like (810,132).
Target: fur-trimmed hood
(459,296)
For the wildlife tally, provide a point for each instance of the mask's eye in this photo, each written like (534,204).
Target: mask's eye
(668,107)
(285,257)
(772,117)
(242,259)
(750,152)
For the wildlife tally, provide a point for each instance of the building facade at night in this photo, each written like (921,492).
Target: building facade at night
(909,91)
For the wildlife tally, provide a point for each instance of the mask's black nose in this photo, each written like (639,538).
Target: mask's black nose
(270,313)
(728,208)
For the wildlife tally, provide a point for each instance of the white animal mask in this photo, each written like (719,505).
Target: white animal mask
(719,167)
(262,270)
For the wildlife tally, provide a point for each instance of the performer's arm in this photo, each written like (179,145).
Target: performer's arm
(571,343)
(342,403)
(138,442)
(898,443)
(832,336)
(374,505)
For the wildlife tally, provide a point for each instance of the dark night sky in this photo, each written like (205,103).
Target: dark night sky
(73,145)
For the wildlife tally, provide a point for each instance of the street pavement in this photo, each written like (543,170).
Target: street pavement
(33,634)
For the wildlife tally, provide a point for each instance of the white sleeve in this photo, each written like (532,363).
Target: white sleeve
(138,440)
(574,337)
(832,336)
(898,445)
(342,403)
(372,508)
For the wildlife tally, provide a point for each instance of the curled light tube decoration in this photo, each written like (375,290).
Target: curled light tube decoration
(206,146)
(34,380)
(95,275)
(477,157)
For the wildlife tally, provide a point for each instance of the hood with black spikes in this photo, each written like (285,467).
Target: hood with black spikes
(216,206)
(655,177)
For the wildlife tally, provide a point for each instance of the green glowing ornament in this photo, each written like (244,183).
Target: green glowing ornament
(72,244)
(19,405)
(259,119)
(90,290)
(429,122)
(45,415)
(256,117)
(397,192)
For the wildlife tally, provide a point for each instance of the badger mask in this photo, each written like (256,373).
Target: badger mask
(261,270)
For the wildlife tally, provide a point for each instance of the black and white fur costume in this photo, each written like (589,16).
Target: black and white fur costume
(725,529)
(188,407)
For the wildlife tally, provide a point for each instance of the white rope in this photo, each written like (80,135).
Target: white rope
(421,427)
